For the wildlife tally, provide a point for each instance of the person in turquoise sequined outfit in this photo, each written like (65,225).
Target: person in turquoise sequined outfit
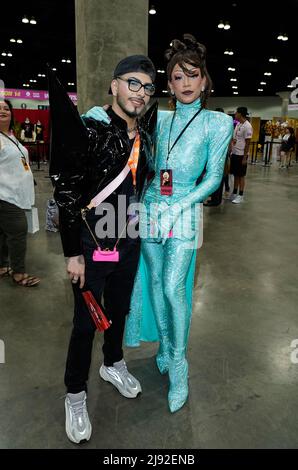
(161,303)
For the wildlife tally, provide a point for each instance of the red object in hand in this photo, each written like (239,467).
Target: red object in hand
(99,318)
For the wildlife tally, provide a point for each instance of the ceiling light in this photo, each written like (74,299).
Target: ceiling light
(33,21)
(164,91)
(227,25)
(233,79)
(235,93)
(160,71)
(26,84)
(33,81)
(25,20)
(285,37)
(212,91)
(221,25)
(70,84)
(260,89)
(4,54)
(2,64)
(235,87)
(19,41)
(228,52)
(12,40)
(152,10)
(290,86)
(273,59)
(9,54)
(42,75)
(231,69)
(268,74)
(68,61)
(55,70)
(263,83)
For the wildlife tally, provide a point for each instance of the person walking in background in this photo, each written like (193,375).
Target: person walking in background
(240,148)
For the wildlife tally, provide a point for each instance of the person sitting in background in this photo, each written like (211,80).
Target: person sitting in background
(16,195)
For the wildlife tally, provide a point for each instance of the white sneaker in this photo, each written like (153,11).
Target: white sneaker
(238,199)
(77,424)
(119,376)
(232,196)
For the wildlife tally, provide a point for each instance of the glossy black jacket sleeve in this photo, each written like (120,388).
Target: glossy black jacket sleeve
(71,192)
(68,192)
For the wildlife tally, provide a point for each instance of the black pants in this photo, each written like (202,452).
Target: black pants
(115,282)
(13,236)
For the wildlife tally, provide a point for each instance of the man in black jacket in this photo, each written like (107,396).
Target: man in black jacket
(97,154)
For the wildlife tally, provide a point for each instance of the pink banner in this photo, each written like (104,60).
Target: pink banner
(31,95)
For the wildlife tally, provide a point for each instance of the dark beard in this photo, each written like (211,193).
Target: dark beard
(131,114)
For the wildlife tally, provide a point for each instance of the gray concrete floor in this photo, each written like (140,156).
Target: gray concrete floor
(243,385)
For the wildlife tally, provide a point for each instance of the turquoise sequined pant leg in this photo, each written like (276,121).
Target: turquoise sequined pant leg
(153,255)
(169,265)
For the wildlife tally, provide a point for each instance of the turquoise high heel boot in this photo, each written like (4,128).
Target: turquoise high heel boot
(178,375)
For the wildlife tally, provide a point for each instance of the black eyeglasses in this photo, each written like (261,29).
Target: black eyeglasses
(136,85)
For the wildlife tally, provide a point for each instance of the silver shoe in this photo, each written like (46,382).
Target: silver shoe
(119,376)
(77,424)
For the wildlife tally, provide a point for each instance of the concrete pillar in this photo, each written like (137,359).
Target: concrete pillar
(285,103)
(106,32)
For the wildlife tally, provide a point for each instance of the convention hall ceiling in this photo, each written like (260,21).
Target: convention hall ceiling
(252,37)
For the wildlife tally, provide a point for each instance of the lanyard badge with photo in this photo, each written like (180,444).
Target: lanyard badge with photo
(166,174)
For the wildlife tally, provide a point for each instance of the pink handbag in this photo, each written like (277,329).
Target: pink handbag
(106,255)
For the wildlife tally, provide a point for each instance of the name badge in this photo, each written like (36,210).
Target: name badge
(166,182)
(25,164)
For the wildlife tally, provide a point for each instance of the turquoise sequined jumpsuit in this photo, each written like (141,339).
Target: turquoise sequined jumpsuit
(161,302)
